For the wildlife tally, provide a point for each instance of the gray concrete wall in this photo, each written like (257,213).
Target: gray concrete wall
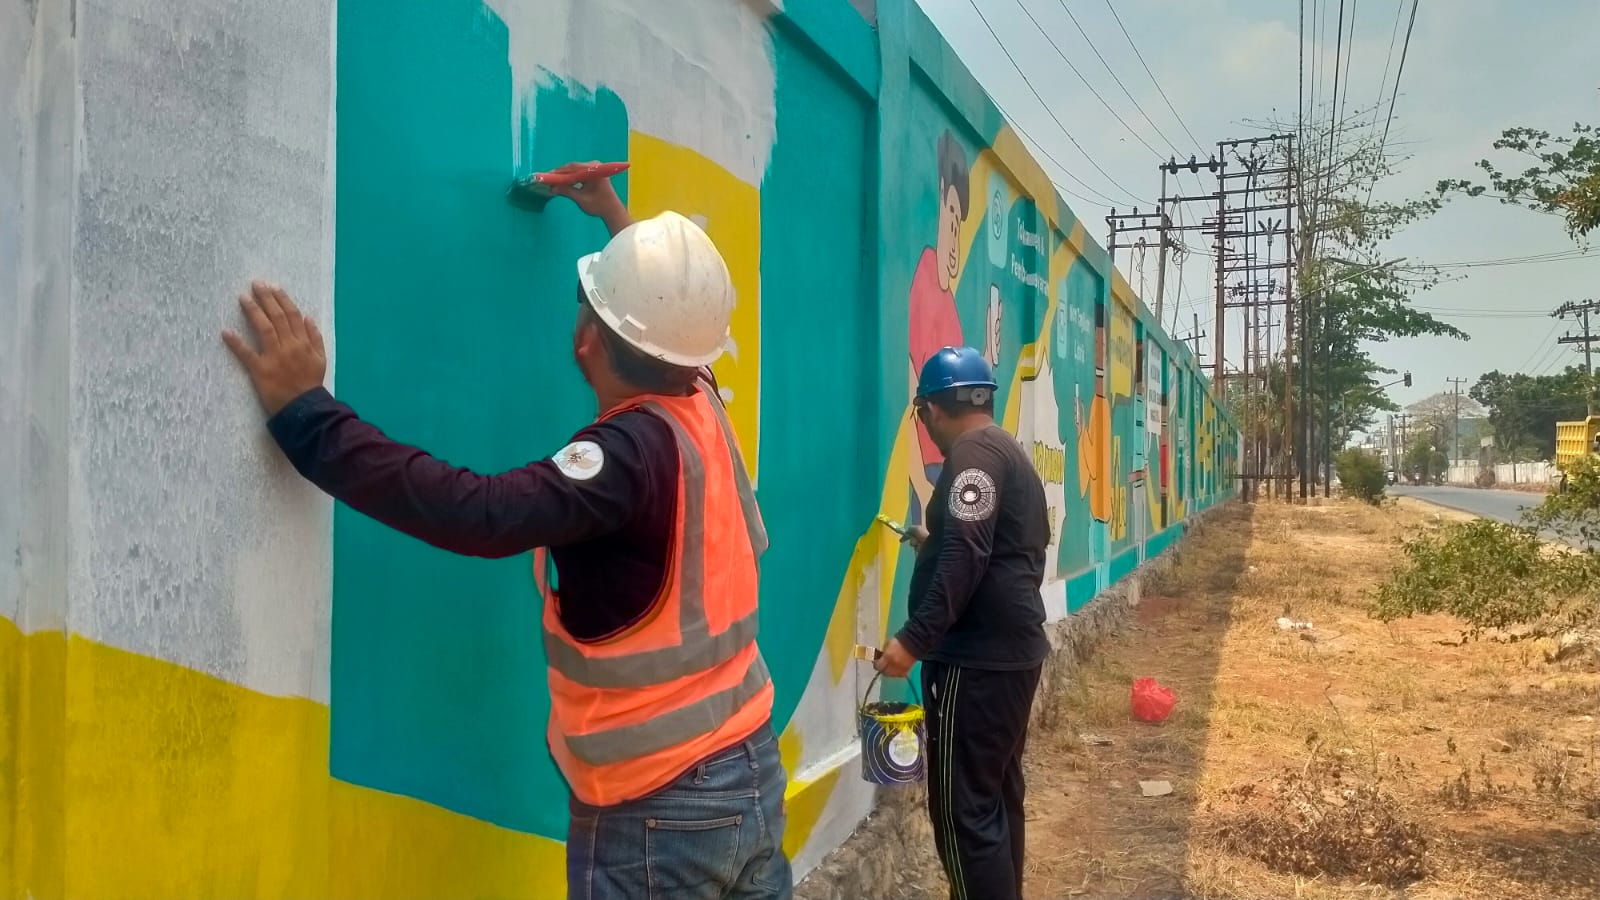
(195,541)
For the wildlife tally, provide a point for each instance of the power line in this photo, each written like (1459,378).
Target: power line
(1333,107)
(1037,145)
(1057,119)
(1399,73)
(1349,61)
(1513,261)
(1544,342)
(1388,60)
(1499,311)
(1140,57)
(1300,107)
(1113,74)
(1056,47)
(1476,314)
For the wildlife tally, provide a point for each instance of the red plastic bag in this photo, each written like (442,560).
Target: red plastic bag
(1151,701)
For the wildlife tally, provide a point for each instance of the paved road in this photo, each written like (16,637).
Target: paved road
(1506,506)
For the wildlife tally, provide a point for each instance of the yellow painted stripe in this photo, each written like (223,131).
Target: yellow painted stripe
(167,783)
(138,778)
(666,176)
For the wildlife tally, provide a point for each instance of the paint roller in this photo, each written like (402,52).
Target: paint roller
(533,193)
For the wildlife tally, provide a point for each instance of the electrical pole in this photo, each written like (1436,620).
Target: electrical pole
(1327,402)
(1404,419)
(1455,427)
(1193,337)
(1582,311)
(1253,242)
(1394,462)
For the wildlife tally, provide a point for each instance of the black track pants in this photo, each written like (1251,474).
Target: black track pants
(977,721)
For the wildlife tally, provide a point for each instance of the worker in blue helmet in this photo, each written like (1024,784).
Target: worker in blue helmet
(976,622)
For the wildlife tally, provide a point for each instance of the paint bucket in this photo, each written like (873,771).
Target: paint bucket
(893,740)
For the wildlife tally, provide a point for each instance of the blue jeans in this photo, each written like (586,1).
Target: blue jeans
(715,833)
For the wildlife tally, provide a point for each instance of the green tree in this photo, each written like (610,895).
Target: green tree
(1495,575)
(1524,409)
(1564,179)
(1425,460)
(1573,514)
(1361,475)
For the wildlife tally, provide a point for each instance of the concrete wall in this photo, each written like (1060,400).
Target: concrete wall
(214,683)
(1468,473)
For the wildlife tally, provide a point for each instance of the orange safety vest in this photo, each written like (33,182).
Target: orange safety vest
(631,713)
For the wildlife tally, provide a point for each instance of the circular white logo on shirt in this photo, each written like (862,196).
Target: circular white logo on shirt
(972,496)
(580,460)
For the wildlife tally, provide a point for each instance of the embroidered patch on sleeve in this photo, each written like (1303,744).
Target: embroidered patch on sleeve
(580,460)
(972,496)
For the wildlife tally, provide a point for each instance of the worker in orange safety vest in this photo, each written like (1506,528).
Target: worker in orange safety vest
(660,699)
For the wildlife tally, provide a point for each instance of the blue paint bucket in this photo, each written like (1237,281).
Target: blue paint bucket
(894,747)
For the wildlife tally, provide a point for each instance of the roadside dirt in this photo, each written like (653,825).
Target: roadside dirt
(1382,752)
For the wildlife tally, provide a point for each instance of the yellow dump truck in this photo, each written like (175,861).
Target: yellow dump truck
(1575,440)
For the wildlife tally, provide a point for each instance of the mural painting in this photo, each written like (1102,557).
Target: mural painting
(421,769)
(935,323)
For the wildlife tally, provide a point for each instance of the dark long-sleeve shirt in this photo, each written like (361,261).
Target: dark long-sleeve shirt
(975,588)
(604,504)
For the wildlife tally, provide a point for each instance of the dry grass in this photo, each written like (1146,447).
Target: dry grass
(1461,770)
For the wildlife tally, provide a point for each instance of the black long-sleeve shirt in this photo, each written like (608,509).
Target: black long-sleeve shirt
(604,504)
(975,589)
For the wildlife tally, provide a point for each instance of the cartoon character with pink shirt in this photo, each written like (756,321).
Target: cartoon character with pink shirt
(934,320)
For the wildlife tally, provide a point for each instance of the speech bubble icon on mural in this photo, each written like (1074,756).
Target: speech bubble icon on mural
(998,202)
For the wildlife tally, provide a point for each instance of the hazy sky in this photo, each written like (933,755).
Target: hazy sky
(1474,68)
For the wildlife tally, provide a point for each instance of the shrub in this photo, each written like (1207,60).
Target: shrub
(1361,474)
(1574,513)
(1489,575)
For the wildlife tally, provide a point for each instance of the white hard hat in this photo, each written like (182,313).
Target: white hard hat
(661,285)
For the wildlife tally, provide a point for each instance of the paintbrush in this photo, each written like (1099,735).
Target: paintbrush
(534,192)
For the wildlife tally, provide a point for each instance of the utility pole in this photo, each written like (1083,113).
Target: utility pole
(1388,435)
(1122,223)
(1252,240)
(1455,427)
(1193,337)
(1404,420)
(1327,401)
(1581,311)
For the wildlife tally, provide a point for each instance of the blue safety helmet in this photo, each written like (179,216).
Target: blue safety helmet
(955,367)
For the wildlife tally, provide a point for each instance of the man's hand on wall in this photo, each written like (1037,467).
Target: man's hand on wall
(292,359)
(597,198)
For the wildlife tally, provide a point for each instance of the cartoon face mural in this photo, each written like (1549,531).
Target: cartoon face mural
(955,196)
(935,321)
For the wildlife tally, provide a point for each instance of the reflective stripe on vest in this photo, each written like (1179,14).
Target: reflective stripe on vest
(698,648)
(747,495)
(670,729)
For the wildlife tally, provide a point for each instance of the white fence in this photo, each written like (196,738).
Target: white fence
(1506,475)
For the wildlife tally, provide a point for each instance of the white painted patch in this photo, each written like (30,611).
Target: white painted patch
(693,73)
(580,460)
(191,538)
(726,393)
